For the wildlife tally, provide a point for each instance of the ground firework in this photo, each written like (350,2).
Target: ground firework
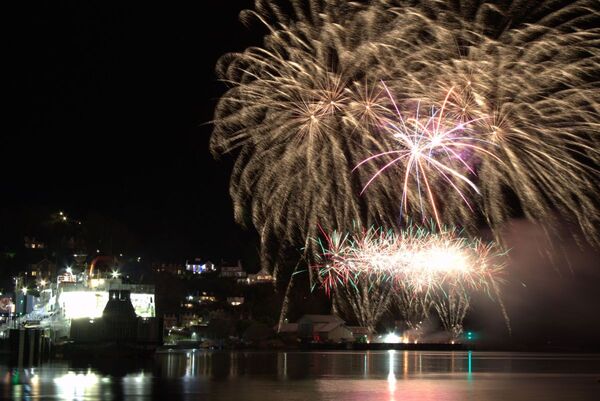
(418,259)
(369,271)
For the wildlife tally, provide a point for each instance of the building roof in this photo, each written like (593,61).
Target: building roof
(288,328)
(327,327)
(320,319)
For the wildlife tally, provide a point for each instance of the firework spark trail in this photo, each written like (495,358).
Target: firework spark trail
(452,308)
(364,301)
(413,307)
(430,149)
(306,108)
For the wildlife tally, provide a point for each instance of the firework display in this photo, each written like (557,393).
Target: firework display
(420,259)
(505,95)
(387,112)
(420,267)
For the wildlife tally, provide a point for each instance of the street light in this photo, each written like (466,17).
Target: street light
(115,274)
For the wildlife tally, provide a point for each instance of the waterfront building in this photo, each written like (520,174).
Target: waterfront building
(323,328)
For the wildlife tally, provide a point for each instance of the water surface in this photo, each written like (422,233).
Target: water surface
(313,376)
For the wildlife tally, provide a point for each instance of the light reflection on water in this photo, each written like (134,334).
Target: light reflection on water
(379,375)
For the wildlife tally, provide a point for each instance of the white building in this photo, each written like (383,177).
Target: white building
(197,266)
(233,271)
(325,328)
(263,276)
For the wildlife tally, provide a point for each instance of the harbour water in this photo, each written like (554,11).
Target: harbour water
(313,376)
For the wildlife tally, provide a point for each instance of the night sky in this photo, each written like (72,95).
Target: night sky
(111,108)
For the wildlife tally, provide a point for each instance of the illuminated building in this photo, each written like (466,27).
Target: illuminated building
(189,319)
(207,298)
(32,243)
(199,267)
(7,307)
(195,300)
(172,268)
(233,271)
(235,301)
(42,268)
(262,276)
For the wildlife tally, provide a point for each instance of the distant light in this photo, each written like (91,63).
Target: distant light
(115,274)
(61,213)
(69,270)
(43,283)
(139,259)
(24,289)
(97,250)
(64,218)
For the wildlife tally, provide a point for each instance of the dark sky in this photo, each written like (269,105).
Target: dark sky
(108,108)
